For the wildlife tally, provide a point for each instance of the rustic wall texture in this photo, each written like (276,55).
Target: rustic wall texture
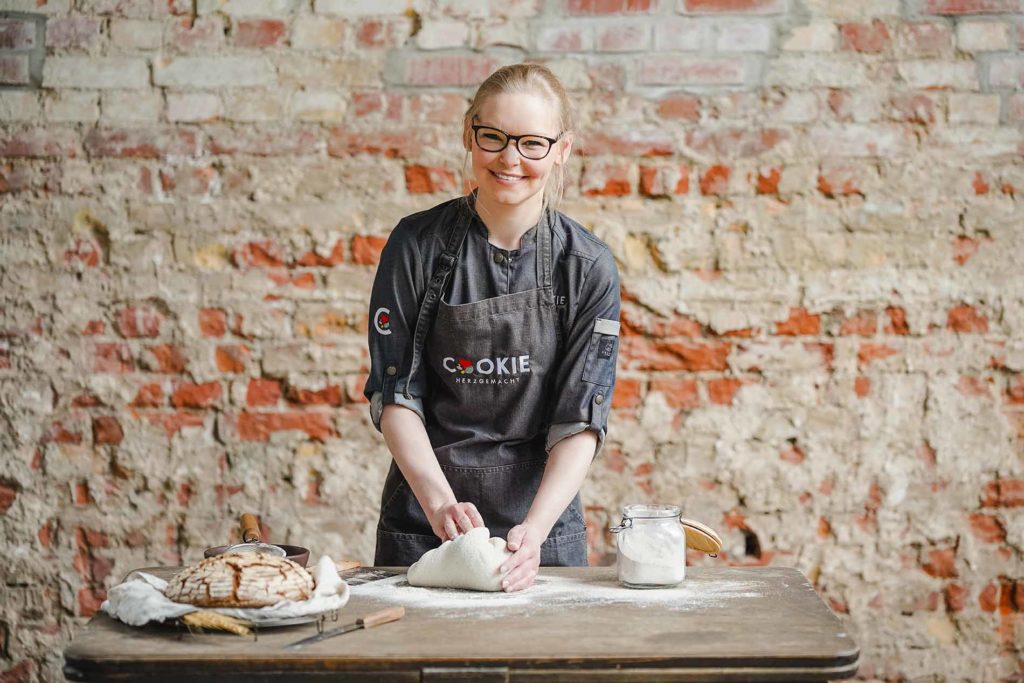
(816,210)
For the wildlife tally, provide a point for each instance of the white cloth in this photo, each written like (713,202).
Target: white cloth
(140,600)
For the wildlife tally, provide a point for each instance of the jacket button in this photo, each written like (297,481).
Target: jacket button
(599,399)
(499,257)
(392,370)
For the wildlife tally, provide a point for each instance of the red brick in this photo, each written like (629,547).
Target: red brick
(40,142)
(941,563)
(956,597)
(213,322)
(959,7)
(1014,394)
(738,142)
(190,395)
(925,39)
(973,386)
(428,179)
(639,353)
(366,249)
(715,180)
(201,35)
(149,396)
(86,400)
(664,181)
(72,33)
(794,454)
(913,108)
(897,321)
(862,386)
(344,142)
(988,598)
(8,492)
(263,392)
(768,181)
(681,107)
(259,32)
(800,322)
(378,105)
(1003,493)
(113,357)
(313,259)
(964,248)
(627,393)
(839,180)
(862,324)
(89,600)
(606,179)
(870,38)
(635,321)
(87,252)
(733,6)
(329,396)
(987,528)
(165,358)
(15,70)
(58,433)
(605,7)
(681,71)
(871,352)
(377,33)
(723,390)
(637,142)
(173,423)
(141,143)
(449,70)
(679,392)
(260,254)
(979,184)
(106,430)
(966,319)
(259,426)
(138,321)
(232,357)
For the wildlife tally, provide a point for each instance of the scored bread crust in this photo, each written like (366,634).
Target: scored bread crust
(240,580)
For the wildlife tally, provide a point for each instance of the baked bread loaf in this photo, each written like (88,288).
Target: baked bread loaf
(240,580)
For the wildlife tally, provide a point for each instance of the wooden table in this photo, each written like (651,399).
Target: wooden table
(727,624)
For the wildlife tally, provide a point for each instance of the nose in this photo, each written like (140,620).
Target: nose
(510,155)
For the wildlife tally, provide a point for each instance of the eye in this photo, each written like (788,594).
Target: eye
(497,137)
(535,143)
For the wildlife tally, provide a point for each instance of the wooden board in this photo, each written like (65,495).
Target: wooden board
(752,624)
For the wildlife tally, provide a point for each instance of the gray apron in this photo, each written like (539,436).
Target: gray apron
(490,367)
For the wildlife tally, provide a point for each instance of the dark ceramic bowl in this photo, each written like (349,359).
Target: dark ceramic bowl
(295,553)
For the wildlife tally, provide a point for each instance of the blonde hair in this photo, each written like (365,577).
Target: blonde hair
(535,79)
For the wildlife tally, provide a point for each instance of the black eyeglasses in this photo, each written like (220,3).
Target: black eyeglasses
(533,147)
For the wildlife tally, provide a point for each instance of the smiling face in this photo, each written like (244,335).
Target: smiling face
(506,177)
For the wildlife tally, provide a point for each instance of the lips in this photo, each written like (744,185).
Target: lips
(507,178)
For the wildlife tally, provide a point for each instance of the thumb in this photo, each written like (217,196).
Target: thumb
(515,537)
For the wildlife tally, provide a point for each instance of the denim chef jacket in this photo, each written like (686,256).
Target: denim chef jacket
(586,289)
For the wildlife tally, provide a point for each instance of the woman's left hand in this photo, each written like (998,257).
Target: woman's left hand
(524,542)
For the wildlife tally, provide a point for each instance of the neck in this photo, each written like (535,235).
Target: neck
(506,224)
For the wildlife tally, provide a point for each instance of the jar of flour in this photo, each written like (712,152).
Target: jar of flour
(652,546)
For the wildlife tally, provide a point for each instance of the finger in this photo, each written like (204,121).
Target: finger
(450,528)
(519,579)
(465,524)
(515,538)
(475,516)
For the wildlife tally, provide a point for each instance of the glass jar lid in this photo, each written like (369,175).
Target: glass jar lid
(654,511)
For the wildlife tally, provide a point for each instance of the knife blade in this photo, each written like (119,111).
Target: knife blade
(366,621)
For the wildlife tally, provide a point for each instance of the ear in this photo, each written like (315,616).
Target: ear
(467,137)
(564,148)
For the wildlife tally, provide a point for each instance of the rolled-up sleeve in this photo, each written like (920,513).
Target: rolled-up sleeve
(394,306)
(586,375)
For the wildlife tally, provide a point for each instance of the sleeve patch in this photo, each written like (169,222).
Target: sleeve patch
(609,327)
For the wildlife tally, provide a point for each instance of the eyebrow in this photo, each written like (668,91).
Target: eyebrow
(491,125)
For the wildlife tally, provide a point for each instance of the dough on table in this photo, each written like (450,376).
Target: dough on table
(469,561)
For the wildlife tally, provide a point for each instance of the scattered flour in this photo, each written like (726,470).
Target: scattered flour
(555,592)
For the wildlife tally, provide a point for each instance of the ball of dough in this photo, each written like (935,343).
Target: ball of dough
(470,561)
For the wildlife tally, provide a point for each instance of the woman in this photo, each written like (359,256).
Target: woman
(493,339)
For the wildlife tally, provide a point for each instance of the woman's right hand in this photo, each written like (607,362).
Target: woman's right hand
(454,519)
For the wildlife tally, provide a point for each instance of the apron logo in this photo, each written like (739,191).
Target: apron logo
(506,370)
(382,320)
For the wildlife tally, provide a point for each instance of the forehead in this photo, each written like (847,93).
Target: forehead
(520,113)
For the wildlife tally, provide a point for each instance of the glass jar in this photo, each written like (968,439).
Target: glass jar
(652,546)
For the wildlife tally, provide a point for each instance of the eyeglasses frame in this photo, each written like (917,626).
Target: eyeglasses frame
(515,138)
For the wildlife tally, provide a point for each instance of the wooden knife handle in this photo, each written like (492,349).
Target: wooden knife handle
(250,528)
(381,617)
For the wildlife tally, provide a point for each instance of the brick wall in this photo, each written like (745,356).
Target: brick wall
(817,215)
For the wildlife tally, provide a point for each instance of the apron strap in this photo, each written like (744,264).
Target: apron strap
(445,264)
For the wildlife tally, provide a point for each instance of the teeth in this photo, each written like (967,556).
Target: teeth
(507,177)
